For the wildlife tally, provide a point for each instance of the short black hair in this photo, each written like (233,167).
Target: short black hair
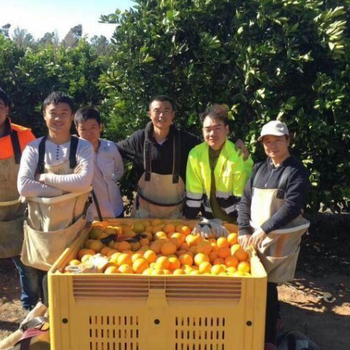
(163,98)
(215,111)
(57,97)
(4,97)
(85,113)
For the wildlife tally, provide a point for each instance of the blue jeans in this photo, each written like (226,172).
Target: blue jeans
(31,283)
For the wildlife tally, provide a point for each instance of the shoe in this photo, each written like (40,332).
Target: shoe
(270,346)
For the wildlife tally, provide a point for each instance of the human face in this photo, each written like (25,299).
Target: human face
(276,147)
(90,130)
(4,111)
(161,114)
(214,132)
(58,118)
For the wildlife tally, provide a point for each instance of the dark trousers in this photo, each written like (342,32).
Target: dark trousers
(272,313)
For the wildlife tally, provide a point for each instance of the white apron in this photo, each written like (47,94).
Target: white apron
(11,210)
(280,249)
(160,196)
(52,223)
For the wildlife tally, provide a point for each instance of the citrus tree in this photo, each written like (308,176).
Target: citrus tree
(265,59)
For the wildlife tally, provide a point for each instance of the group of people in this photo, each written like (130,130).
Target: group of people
(178,177)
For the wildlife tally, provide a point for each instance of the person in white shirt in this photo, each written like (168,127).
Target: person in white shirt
(58,111)
(109,166)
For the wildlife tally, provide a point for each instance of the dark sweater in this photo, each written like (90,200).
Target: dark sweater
(162,155)
(298,185)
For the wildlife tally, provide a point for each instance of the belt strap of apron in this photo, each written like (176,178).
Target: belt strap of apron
(147,157)
(16,146)
(72,154)
(159,204)
(97,205)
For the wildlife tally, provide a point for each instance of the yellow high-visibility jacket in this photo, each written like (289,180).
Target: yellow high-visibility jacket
(231,174)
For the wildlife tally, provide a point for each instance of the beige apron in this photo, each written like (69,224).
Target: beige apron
(280,249)
(52,223)
(11,210)
(160,196)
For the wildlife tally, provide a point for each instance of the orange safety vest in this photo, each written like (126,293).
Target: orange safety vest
(6,145)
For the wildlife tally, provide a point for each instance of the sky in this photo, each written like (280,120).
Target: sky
(41,16)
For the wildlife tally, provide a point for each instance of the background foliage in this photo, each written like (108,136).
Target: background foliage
(265,59)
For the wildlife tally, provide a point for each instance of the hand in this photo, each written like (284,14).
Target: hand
(203,229)
(257,237)
(217,229)
(242,149)
(40,178)
(243,241)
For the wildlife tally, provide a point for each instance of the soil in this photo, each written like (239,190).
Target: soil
(323,267)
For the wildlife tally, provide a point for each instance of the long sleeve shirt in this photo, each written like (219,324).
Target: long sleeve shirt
(108,170)
(55,184)
(298,185)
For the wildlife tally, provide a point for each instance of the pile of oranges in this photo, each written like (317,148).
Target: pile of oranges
(166,249)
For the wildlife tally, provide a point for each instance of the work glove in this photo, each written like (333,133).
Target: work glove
(207,228)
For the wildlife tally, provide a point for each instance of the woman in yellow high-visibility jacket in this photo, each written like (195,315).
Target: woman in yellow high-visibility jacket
(216,172)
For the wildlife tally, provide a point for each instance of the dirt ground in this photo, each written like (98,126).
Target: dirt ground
(323,267)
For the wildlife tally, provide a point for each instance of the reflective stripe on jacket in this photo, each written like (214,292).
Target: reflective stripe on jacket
(231,174)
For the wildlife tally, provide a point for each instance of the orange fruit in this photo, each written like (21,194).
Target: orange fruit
(162,263)
(169,228)
(175,241)
(231,261)
(160,234)
(156,222)
(150,256)
(85,251)
(105,250)
(232,238)
(167,272)
(181,237)
(179,272)
(185,230)
(96,245)
(136,256)
(241,254)
(135,246)
(155,247)
(243,266)
(174,263)
(193,240)
(186,259)
(114,257)
(138,227)
(204,247)
(168,248)
(193,250)
(144,241)
(140,265)
(147,271)
(230,227)
(218,261)
(234,248)
(122,246)
(217,269)
(184,246)
(124,268)
(200,258)
(231,270)
(86,258)
(224,252)
(111,252)
(111,269)
(87,243)
(74,262)
(222,242)
(205,267)
(195,272)
(124,259)
(213,256)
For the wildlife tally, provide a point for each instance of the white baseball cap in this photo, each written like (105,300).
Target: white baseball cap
(275,128)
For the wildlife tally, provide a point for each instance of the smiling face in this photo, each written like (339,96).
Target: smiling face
(90,130)
(58,118)
(214,132)
(161,114)
(276,147)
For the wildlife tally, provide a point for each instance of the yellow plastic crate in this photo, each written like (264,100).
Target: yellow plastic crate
(166,312)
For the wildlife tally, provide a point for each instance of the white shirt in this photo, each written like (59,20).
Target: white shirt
(55,185)
(108,170)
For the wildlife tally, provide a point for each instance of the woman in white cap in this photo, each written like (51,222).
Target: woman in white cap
(269,215)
